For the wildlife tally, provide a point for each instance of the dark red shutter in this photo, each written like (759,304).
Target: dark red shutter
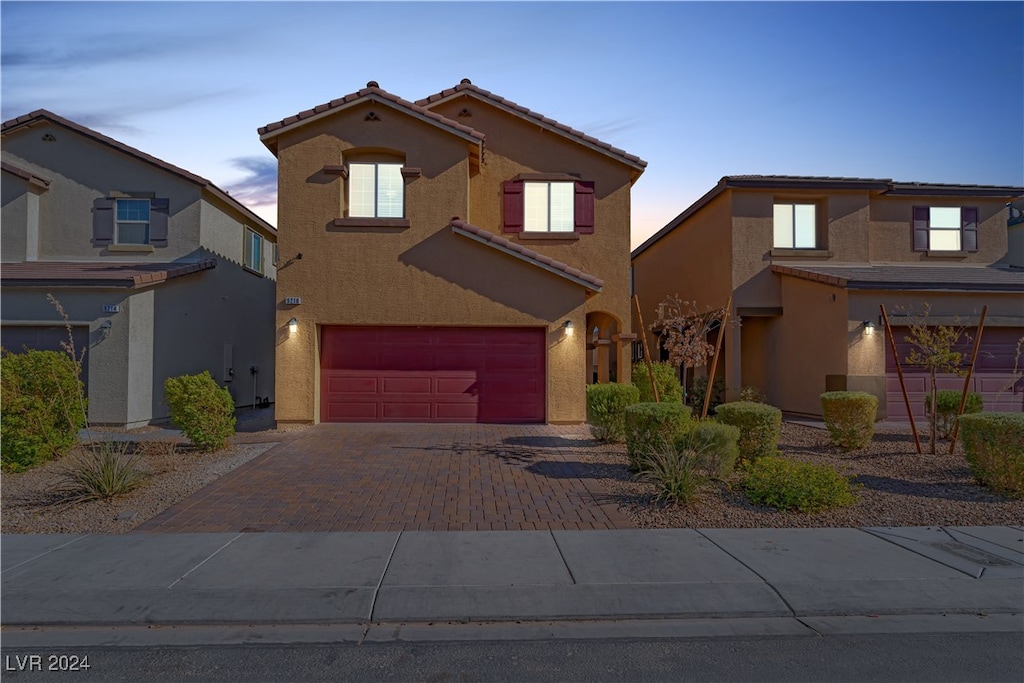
(921,228)
(585,207)
(512,206)
(969,226)
(103,221)
(158,214)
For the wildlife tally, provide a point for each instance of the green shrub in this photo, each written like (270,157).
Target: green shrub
(850,417)
(760,427)
(648,425)
(677,473)
(717,442)
(700,387)
(203,410)
(105,470)
(606,410)
(790,485)
(994,447)
(948,401)
(665,378)
(752,395)
(42,407)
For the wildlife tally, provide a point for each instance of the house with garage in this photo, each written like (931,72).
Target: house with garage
(160,272)
(460,258)
(809,260)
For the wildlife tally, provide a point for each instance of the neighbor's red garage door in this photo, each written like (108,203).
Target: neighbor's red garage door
(993,377)
(432,374)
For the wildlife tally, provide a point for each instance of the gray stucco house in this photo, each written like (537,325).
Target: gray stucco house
(161,272)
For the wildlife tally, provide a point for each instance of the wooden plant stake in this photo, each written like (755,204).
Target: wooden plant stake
(714,359)
(899,372)
(967,380)
(647,352)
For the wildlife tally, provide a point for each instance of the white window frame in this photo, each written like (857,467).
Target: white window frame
(131,221)
(950,224)
(252,238)
(540,212)
(358,209)
(786,224)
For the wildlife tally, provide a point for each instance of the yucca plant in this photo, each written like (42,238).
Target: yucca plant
(105,470)
(677,471)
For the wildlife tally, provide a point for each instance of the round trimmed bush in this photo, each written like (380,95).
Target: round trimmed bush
(850,417)
(760,427)
(790,485)
(665,378)
(651,425)
(606,410)
(717,442)
(994,447)
(203,410)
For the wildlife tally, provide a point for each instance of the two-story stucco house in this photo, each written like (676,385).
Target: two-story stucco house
(160,272)
(456,259)
(808,262)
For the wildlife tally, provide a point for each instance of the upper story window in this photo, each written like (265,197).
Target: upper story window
(945,228)
(132,221)
(253,251)
(796,226)
(551,203)
(376,190)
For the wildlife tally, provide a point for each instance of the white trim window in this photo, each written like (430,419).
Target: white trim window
(795,226)
(132,221)
(376,191)
(253,258)
(549,206)
(944,225)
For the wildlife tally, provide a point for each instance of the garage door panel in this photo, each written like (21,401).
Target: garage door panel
(407,411)
(345,384)
(459,386)
(407,385)
(350,411)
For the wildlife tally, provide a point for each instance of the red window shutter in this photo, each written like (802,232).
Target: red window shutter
(158,215)
(921,228)
(585,207)
(969,228)
(103,221)
(512,206)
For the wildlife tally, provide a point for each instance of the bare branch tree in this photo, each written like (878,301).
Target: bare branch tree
(684,329)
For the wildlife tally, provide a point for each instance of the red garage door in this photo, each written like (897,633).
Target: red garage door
(432,374)
(993,373)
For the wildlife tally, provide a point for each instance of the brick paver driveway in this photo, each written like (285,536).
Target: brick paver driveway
(361,477)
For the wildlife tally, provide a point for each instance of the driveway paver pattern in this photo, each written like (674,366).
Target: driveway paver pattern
(384,477)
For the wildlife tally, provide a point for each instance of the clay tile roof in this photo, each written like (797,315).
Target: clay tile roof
(468,88)
(576,275)
(911,278)
(27,176)
(38,115)
(96,274)
(372,92)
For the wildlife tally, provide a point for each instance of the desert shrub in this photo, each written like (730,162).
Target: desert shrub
(676,470)
(104,470)
(994,447)
(606,410)
(717,442)
(752,395)
(849,417)
(202,410)
(948,401)
(760,427)
(700,387)
(665,378)
(42,407)
(648,425)
(791,485)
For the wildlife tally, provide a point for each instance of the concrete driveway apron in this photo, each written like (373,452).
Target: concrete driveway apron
(385,477)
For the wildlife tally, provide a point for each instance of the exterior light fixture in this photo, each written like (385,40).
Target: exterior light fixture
(869,328)
(293,325)
(568,327)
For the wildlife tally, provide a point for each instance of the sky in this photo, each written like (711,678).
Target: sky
(917,91)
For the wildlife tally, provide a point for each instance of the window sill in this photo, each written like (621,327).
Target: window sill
(549,235)
(800,253)
(361,223)
(251,270)
(131,248)
(945,254)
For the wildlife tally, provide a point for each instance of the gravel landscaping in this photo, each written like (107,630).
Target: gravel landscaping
(895,487)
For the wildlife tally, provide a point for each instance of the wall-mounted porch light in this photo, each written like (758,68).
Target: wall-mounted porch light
(869,328)
(568,327)
(293,325)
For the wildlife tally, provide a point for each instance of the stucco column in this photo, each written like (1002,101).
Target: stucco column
(733,357)
(139,387)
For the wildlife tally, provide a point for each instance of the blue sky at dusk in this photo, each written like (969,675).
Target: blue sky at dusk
(930,92)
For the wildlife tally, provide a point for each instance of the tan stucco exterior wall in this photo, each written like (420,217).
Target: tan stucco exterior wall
(14,217)
(892,239)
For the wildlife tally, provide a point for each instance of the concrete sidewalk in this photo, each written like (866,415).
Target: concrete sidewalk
(395,577)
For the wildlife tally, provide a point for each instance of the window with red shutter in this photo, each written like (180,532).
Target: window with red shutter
(512,206)
(584,196)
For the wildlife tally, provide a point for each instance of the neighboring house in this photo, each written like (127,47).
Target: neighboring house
(160,272)
(808,261)
(437,256)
